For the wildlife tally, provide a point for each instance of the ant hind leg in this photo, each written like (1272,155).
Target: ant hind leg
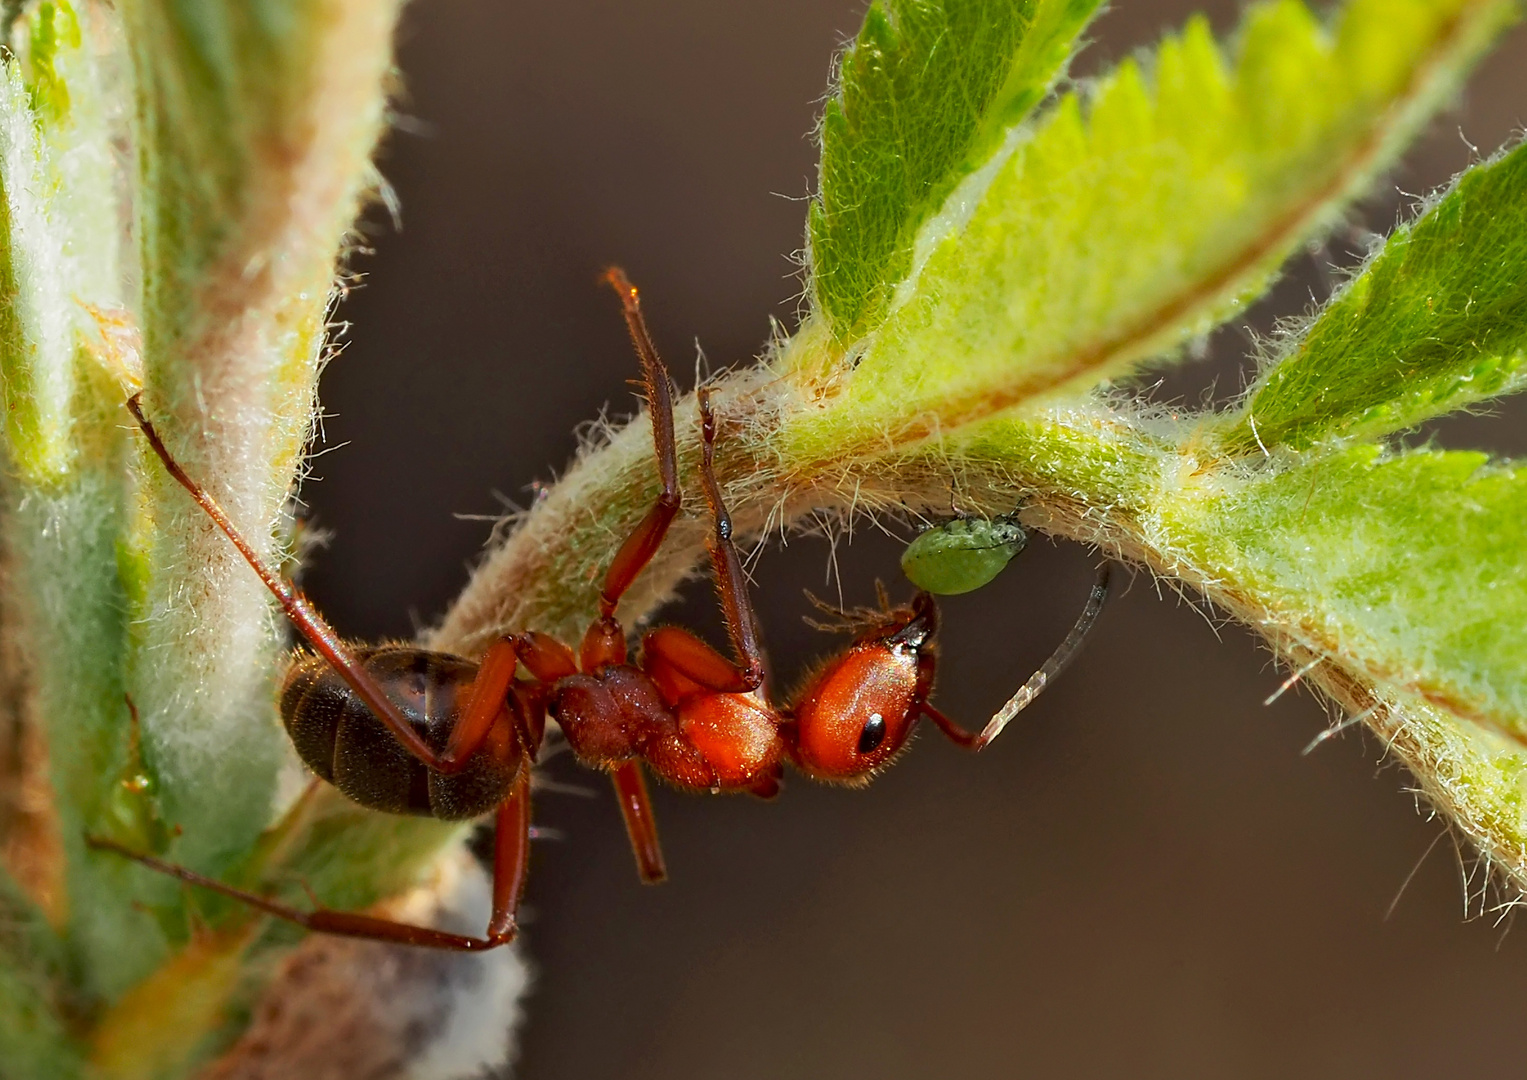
(510,867)
(321,920)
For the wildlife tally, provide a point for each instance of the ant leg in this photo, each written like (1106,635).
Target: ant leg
(511,858)
(641,827)
(681,664)
(321,920)
(545,657)
(954,732)
(484,701)
(309,623)
(731,583)
(1052,667)
(549,660)
(647,537)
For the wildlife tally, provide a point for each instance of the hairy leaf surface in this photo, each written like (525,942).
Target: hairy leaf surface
(1141,214)
(926,93)
(1409,566)
(1437,321)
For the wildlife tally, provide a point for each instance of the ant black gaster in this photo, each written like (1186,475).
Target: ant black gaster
(408,731)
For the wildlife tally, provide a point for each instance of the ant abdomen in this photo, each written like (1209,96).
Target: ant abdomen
(339,737)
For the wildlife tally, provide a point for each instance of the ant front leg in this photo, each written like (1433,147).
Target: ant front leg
(732,729)
(511,859)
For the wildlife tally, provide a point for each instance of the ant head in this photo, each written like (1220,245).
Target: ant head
(856,714)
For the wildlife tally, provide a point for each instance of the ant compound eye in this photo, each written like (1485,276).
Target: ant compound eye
(962,555)
(872,735)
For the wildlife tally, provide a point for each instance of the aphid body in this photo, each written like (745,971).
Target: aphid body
(962,555)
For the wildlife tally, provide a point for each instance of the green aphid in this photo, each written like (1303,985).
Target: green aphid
(960,556)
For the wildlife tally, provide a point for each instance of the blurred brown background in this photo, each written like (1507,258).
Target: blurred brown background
(1143,877)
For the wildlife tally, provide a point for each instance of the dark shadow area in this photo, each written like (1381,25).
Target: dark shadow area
(1143,878)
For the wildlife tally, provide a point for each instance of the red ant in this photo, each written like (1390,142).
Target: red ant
(409,731)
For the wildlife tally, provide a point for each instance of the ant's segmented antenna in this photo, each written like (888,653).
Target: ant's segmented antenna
(1053,666)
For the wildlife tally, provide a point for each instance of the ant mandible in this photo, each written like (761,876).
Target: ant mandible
(409,731)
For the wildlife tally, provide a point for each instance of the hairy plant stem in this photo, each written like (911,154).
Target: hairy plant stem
(1084,473)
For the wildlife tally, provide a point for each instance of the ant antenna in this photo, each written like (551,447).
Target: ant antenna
(1052,667)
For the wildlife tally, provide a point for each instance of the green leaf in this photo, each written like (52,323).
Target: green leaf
(224,88)
(68,540)
(1436,322)
(53,29)
(1140,215)
(926,94)
(1407,568)
(36,316)
(1404,568)
(1474,775)
(66,502)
